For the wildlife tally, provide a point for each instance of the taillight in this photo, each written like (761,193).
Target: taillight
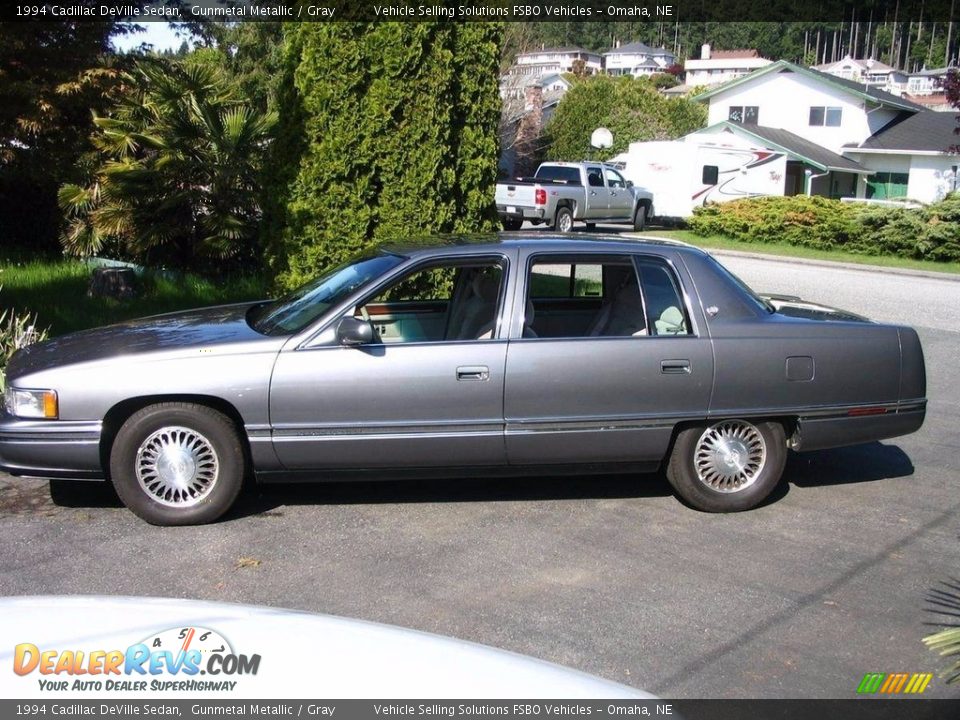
(540,196)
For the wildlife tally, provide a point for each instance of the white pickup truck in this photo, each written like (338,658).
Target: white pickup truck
(561,193)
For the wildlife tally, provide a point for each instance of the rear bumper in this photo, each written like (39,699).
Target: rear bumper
(821,433)
(50,448)
(520,212)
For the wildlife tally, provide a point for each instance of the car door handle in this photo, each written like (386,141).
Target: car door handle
(674,367)
(593,192)
(473,372)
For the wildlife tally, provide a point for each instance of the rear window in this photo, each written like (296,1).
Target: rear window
(558,173)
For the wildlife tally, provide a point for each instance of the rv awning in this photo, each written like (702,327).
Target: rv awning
(794,146)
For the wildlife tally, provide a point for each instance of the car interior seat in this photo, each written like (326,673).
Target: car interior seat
(478,315)
(622,315)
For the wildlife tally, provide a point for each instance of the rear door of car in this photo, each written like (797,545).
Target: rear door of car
(425,393)
(603,390)
(597,194)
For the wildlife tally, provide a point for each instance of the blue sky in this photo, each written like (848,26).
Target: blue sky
(159,34)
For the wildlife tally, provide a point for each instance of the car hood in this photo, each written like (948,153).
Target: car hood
(206,327)
(793,306)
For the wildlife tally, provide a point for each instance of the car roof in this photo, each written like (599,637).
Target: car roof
(554,242)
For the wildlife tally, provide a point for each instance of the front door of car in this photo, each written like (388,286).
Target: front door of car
(621,199)
(611,388)
(426,391)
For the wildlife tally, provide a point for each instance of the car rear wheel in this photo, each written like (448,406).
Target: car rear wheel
(727,466)
(512,223)
(563,221)
(178,464)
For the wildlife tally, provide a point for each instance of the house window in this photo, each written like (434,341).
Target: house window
(821,116)
(884,185)
(710,175)
(744,114)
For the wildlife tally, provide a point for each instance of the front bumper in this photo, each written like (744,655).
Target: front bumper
(50,448)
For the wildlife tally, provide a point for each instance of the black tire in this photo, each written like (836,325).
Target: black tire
(512,224)
(590,226)
(640,218)
(685,478)
(221,463)
(563,219)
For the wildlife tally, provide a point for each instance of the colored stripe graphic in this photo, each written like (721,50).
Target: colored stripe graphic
(894,683)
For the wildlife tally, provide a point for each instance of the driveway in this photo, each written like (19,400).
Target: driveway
(840,574)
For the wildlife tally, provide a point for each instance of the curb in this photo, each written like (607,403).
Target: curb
(836,264)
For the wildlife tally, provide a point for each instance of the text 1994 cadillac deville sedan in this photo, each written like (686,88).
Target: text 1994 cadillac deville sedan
(482,355)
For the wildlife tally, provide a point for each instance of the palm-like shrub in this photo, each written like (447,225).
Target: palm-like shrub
(947,643)
(175,179)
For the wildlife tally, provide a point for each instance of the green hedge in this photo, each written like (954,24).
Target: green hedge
(928,233)
(388,130)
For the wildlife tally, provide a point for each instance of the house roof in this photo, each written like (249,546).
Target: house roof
(570,49)
(796,147)
(868,64)
(932,72)
(871,94)
(741,54)
(926,131)
(640,49)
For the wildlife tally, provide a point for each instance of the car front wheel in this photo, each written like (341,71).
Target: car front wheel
(178,464)
(640,218)
(727,466)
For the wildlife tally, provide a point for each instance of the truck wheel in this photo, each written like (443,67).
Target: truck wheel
(512,224)
(640,218)
(563,222)
(178,463)
(590,226)
(728,466)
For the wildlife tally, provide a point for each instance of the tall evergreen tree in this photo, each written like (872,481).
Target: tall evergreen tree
(397,136)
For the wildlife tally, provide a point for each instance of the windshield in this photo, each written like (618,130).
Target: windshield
(297,310)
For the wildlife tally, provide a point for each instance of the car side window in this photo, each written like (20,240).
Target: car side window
(614,179)
(453,301)
(665,307)
(579,297)
(594,178)
(603,296)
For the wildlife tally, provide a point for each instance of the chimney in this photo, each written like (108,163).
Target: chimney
(533,97)
(705,51)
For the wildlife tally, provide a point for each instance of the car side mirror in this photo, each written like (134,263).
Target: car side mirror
(629,183)
(353,331)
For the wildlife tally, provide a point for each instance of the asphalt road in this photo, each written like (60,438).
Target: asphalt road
(841,573)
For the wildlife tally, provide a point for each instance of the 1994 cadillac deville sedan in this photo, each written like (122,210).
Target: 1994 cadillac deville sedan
(504,354)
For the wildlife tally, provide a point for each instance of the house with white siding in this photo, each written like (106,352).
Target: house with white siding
(637,59)
(872,73)
(714,67)
(558,60)
(843,139)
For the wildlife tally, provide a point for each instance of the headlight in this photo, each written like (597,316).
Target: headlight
(31,403)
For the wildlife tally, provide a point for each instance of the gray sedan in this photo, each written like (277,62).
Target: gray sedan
(508,354)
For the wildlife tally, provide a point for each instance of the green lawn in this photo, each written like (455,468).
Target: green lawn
(56,290)
(719,242)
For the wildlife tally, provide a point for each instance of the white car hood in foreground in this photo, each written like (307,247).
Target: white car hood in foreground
(302,655)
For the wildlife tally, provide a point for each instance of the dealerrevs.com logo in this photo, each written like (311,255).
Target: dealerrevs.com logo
(172,660)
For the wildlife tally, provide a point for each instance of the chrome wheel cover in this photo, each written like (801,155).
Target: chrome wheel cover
(566,222)
(177,467)
(730,456)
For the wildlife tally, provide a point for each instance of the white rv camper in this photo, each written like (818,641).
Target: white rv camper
(683,174)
